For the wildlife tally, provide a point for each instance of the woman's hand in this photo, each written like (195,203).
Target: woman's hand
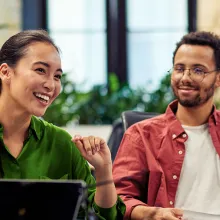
(94,150)
(97,153)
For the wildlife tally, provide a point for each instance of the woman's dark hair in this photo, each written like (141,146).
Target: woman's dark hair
(16,46)
(202,38)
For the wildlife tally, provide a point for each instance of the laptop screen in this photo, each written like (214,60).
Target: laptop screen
(35,199)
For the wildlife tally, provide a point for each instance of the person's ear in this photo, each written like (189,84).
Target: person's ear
(217,82)
(5,72)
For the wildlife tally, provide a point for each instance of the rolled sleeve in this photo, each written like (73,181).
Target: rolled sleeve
(116,212)
(130,205)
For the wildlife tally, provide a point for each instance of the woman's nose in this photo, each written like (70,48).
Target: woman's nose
(49,84)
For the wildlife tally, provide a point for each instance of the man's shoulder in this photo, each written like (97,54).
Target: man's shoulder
(156,123)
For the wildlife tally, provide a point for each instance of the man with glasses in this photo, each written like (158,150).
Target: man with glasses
(173,160)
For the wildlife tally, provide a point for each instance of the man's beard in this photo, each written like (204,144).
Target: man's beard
(198,100)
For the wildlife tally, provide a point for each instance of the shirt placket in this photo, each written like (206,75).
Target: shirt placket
(179,153)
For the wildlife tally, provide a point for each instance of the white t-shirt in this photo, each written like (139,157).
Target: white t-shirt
(199,184)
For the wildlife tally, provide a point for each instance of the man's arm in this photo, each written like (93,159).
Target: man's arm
(130,172)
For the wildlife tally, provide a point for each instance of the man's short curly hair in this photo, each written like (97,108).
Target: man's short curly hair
(202,38)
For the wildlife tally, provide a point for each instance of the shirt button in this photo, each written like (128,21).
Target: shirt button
(174,177)
(173,136)
(184,135)
(171,202)
(180,152)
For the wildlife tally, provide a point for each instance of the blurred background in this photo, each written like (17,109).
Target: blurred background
(115,53)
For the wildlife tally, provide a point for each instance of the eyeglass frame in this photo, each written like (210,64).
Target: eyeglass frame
(204,74)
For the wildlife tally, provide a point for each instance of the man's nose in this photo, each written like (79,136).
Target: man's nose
(186,75)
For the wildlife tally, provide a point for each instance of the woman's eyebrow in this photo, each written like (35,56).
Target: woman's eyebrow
(47,65)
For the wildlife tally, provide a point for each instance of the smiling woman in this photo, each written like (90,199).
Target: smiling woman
(31,148)
(35,78)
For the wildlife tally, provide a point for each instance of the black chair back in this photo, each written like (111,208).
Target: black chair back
(115,137)
(120,125)
(131,117)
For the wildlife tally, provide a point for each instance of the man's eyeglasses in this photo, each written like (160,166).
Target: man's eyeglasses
(196,74)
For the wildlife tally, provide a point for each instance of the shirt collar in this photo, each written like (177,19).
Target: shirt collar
(35,127)
(176,125)
(215,115)
(172,108)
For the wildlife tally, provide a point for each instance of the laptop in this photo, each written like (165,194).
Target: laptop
(37,199)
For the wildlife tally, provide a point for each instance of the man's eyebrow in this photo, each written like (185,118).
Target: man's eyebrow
(47,65)
(179,64)
(198,64)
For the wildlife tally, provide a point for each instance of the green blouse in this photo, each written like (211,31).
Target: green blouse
(49,153)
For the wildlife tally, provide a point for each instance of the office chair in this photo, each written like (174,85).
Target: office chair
(120,125)
(131,117)
(115,137)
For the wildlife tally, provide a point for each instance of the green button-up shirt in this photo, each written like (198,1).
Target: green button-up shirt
(49,153)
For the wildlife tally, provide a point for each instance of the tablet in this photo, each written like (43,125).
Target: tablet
(37,199)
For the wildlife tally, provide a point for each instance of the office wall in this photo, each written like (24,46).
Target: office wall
(208,15)
(10,18)
(208,19)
